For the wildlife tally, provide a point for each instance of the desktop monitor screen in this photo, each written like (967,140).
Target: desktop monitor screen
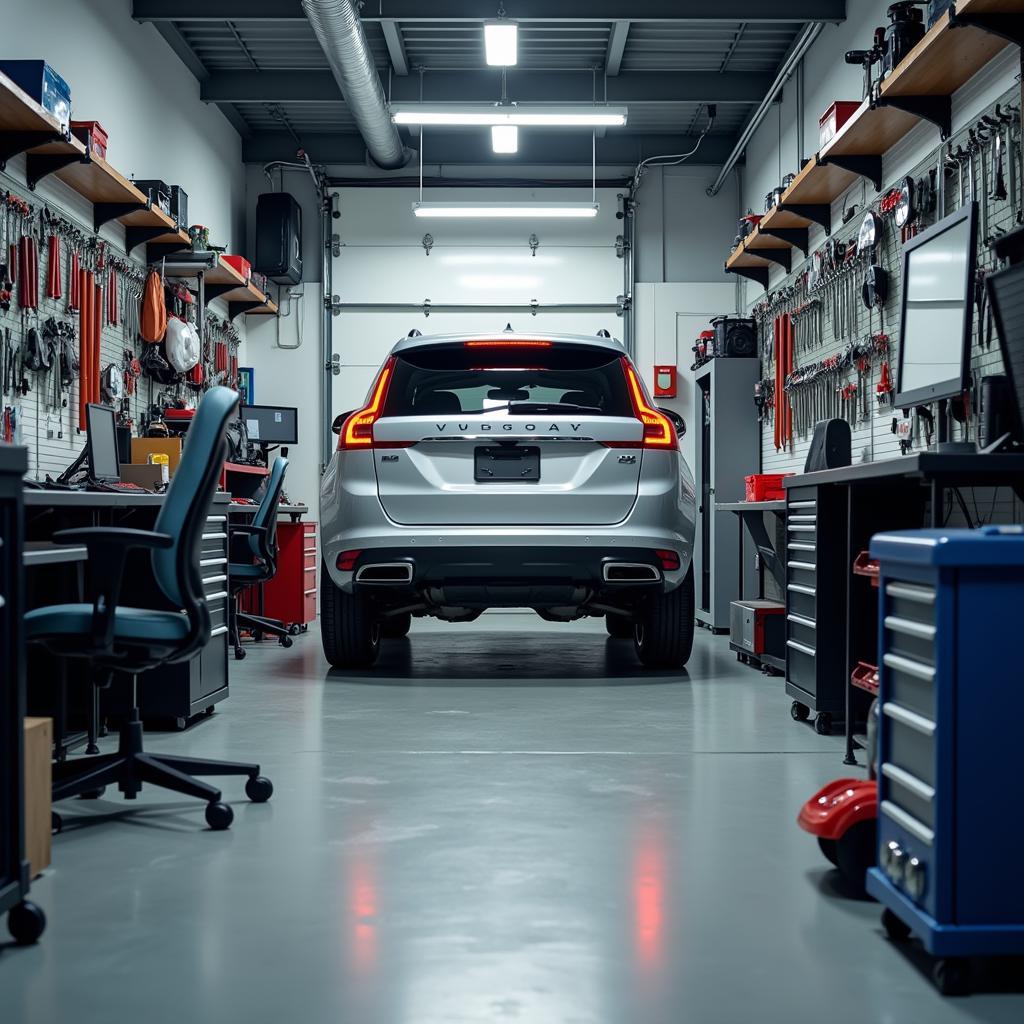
(101,442)
(270,424)
(938,290)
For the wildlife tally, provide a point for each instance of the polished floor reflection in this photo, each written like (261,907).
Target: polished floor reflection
(508,821)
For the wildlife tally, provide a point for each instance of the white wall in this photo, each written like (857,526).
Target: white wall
(125,76)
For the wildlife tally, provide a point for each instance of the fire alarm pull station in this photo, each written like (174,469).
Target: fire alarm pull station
(665,382)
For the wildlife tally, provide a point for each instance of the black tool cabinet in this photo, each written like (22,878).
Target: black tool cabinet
(816,603)
(25,920)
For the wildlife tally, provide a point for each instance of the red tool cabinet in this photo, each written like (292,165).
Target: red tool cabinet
(291,595)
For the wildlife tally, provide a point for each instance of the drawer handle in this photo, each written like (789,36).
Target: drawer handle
(800,529)
(219,631)
(911,719)
(217,519)
(800,620)
(215,536)
(806,503)
(908,781)
(803,648)
(921,595)
(808,566)
(308,592)
(803,519)
(912,668)
(217,596)
(214,579)
(800,589)
(312,568)
(908,627)
(213,561)
(796,545)
(309,551)
(908,821)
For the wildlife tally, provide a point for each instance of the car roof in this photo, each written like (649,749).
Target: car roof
(591,340)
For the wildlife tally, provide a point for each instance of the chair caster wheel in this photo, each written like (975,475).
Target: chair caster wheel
(92,794)
(209,711)
(952,976)
(286,641)
(293,629)
(219,816)
(26,922)
(799,712)
(239,654)
(180,723)
(92,749)
(259,789)
(257,636)
(823,724)
(56,823)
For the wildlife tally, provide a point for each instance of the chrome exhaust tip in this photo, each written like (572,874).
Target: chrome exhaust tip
(630,572)
(385,572)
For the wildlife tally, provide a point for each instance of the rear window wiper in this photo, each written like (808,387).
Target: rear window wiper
(543,407)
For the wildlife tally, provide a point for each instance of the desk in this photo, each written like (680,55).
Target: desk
(44,552)
(831,612)
(175,691)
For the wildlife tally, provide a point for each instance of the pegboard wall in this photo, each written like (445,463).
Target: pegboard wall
(833,325)
(45,417)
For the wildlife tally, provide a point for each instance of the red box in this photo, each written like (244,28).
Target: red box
(91,134)
(239,263)
(765,486)
(833,119)
(291,595)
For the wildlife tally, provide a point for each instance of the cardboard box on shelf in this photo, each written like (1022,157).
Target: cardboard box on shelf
(38,746)
(143,447)
(149,475)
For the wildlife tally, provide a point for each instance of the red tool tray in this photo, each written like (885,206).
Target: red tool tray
(864,565)
(865,677)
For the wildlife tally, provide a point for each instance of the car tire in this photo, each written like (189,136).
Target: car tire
(664,627)
(620,627)
(394,627)
(349,629)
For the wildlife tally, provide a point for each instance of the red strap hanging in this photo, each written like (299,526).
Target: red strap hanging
(53,282)
(75,283)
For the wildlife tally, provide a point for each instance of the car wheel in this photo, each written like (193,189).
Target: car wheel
(620,627)
(664,627)
(349,629)
(394,627)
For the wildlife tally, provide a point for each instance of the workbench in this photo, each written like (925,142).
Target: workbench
(831,608)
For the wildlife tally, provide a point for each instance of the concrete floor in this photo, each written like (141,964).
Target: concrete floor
(504,822)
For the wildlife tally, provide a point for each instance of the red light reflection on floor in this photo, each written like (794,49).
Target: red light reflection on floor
(362,914)
(649,896)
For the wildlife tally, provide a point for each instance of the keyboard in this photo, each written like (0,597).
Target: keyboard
(123,485)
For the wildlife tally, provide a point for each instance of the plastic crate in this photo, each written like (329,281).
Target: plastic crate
(765,486)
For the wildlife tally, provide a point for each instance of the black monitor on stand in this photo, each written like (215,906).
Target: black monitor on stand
(1006,297)
(270,426)
(936,319)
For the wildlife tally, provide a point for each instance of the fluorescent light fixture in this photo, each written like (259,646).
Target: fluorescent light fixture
(505,210)
(581,115)
(501,43)
(504,138)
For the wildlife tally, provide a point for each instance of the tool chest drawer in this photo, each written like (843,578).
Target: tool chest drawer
(291,595)
(949,848)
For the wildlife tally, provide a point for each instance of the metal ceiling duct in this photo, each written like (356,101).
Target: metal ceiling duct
(341,36)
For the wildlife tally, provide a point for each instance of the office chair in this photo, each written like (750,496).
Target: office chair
(113,638)
(256,543)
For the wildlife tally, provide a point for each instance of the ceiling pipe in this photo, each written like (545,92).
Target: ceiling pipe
(340,34)
(802,45)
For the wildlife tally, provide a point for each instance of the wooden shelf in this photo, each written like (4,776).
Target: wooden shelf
(742,258)
(224,282)
(21,115)
(871,131)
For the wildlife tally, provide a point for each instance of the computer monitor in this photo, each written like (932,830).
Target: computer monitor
(270,424)
(101,444)
(1006,295)
(938,302)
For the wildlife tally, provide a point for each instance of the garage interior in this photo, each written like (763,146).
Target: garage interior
(688,691)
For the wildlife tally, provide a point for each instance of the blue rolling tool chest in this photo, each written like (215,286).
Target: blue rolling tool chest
(950,823)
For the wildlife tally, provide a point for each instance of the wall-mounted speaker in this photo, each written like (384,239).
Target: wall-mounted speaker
(279,237)
(735,337)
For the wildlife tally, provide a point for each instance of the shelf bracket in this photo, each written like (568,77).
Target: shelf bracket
(215,291)
(39,165)
(12,143)
(156,251)
(781,257)
(758,274)
(794,236)
(103,212)
(820,213)
(135,236)
(869,167)
(238,308)
(1006,26)
(937,109)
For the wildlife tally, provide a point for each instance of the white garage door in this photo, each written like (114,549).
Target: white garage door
(482,264)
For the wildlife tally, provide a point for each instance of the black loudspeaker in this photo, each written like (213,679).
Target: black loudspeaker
(124,445)
(734,338)
(830,446)
(279,238)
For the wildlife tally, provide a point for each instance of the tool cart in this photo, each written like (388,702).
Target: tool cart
(950,834)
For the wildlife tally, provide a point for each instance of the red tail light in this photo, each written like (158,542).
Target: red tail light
(509,343)
(658,429)
(357,431)
(346,561)
(669,560)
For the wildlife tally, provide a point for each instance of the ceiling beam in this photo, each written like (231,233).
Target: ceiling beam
(535,148)
(485,87)
(525,10)
(616,45)
(396,48)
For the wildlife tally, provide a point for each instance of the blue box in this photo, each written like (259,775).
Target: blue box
(951,697)
(43,84)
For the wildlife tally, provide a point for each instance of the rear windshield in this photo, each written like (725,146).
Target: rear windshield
(446,382)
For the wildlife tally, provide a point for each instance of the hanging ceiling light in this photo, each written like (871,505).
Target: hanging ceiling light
(504,138)
(505,210)
(501,43)
(536,115)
